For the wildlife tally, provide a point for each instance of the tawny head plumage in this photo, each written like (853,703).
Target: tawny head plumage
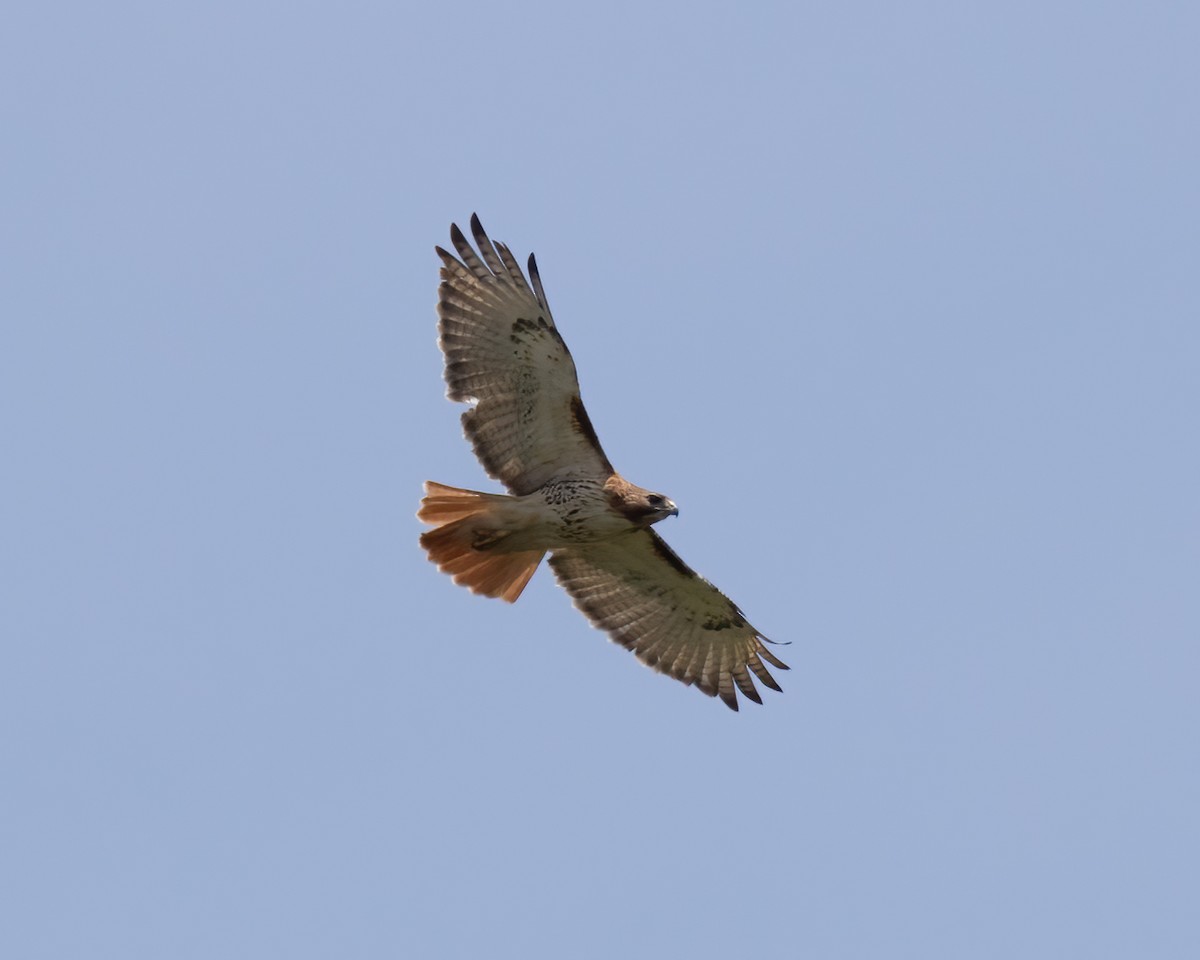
(640,506)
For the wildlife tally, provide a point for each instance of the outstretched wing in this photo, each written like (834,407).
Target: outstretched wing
(504,355)
(637,589)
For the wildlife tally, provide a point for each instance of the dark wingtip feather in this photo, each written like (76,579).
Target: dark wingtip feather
(536,280)
(772,659)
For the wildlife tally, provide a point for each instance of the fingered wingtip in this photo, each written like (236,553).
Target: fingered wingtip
(477,230)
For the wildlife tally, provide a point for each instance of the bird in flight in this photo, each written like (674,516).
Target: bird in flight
(526,421)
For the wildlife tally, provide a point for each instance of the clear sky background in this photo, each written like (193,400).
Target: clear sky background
(899,302)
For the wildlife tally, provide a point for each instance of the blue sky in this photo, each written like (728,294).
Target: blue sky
(899,303)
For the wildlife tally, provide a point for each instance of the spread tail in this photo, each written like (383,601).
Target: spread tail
(464,545)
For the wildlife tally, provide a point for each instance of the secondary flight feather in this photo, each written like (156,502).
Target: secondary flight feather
(528,426)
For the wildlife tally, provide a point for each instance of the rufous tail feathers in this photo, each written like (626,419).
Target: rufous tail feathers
(463,545)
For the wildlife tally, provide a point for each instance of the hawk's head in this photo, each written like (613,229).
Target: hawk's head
(641,507)
(658,507)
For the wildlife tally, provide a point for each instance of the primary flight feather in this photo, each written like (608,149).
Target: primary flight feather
(527,423)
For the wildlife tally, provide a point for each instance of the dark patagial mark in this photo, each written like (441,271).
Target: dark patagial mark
(666,553)
(583,423)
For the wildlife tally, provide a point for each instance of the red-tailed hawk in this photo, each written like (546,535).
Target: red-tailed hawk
(504,356)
